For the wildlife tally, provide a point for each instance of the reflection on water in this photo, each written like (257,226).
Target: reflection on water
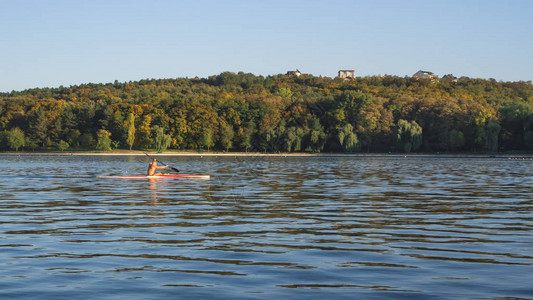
(267,227)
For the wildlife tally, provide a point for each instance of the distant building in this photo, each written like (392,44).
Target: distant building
(425,75)
(347,74)
(450,78)
(297,73)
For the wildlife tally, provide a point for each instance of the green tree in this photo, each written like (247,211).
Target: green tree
(294,137)
(73,137)
(86,140)
(351,102)
(492,132)
(246,140)
(130,130)
(103,140)
(207,139)
(161,140)
(226,136)
(62,145)
(347,138)
(68,118)
(479,136)
(516,118)
(408,136)
(167,139)
(144,132)
(30,143)
(117,127)
(284,93)
(37,126)
(456,139)
(316,136)
(15,138)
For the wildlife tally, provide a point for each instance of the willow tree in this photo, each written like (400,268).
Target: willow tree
(316,137)
(293,140)
(347,138)
(161,140)
(492,131)
(408,136)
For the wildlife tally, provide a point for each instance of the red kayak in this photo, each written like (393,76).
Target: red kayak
(159,176)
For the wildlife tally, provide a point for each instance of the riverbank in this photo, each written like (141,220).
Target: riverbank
(260,154)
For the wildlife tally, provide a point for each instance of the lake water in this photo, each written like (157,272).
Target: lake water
(315,227)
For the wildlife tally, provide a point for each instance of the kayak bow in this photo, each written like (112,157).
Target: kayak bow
(159,176)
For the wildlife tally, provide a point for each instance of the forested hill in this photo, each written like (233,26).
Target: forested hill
(243,112)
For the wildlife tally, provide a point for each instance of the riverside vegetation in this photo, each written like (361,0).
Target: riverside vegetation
(244,112)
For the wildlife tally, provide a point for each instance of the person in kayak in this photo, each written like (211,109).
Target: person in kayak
(153,166)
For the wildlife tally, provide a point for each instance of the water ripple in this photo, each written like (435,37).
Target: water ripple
(268,227)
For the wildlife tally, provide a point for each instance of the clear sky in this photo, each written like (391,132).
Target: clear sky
(69,42)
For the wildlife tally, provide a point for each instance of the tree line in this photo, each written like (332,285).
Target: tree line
(281,113)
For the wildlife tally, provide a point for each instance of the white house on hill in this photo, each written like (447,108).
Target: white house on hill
(297,73)
(424,74)
(347,74)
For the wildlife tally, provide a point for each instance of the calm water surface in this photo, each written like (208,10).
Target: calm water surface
(369,228)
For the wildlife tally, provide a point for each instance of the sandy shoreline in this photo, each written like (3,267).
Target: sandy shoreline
(252,154)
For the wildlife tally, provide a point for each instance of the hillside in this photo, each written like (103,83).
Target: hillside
(277,113)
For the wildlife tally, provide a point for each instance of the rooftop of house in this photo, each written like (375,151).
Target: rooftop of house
(449,77)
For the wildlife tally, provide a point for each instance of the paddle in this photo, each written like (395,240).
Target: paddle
(175,170)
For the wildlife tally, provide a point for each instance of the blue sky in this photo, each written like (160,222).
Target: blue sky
(52,43)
